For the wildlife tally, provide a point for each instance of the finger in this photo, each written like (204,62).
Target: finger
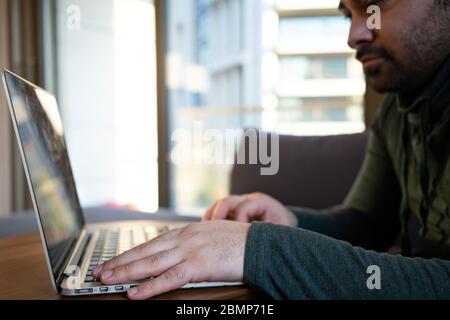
(208,213)
(247,211)
(160,243)
(172,279)
(226,207)
(151,266)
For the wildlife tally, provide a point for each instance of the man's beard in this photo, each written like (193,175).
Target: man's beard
(386,77)
(405,77)
(422,53)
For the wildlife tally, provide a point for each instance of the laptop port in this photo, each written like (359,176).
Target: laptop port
(83,291)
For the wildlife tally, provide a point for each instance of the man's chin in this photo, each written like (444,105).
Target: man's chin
(379,85)
(382,76)
(383,83)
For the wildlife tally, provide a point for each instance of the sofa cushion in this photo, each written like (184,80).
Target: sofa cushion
(314,172)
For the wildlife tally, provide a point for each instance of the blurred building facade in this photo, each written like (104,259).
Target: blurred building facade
(277,65)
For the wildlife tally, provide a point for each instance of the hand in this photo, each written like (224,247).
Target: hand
(251,207)
(200,252)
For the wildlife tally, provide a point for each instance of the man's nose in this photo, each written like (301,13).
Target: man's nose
(360,34)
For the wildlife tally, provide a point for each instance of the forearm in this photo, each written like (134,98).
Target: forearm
(349,225)
(290,263)
(332,222)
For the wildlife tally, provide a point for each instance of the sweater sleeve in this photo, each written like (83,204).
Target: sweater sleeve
(290,263)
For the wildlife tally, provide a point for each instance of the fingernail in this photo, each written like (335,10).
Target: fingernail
(132,291)
(106,274)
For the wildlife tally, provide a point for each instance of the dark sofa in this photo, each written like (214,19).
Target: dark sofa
(314,172)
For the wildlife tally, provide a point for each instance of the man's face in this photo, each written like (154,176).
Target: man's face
(412,43)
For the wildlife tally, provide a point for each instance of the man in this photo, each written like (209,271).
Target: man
(403,188)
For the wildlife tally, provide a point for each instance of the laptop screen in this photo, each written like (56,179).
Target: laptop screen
(42,138)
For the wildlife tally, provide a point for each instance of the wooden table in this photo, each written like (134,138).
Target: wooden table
(24,276)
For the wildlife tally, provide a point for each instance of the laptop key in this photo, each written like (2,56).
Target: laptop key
(89,279)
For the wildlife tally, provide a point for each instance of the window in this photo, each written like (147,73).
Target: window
(105,82)
(298,68)
(308,33)
(282,66)
(320,109)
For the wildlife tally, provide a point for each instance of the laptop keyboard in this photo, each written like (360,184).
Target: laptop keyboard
(113,242)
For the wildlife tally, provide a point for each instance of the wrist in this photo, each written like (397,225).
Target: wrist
(292,218)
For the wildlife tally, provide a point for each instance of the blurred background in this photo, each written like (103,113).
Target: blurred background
(128,73)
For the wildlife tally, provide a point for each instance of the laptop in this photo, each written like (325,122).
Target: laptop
(72,248)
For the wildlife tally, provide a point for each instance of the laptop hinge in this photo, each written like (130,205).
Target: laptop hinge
(75,258)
